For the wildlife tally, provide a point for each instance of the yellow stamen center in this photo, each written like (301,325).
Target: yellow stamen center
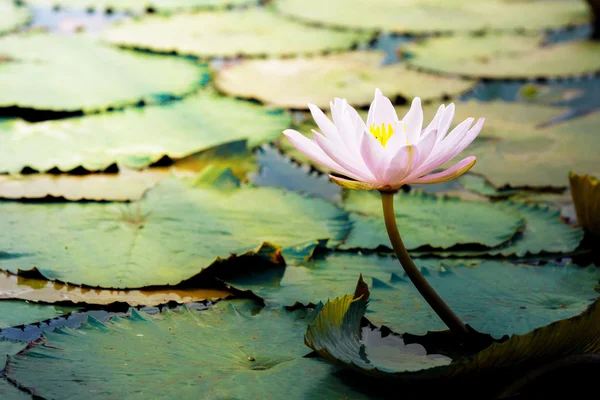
(384,132)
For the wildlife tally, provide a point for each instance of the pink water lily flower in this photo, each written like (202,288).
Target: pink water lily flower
(386,153)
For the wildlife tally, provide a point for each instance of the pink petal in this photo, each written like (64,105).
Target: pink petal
(373,154)
(460,144)
(446,121)
(397,140)
(325,125)
(453,172)
(356,167)
(435,122)
(382,111)
(427,143)
(443,147)
(400,165)
(414,121)
(310,149)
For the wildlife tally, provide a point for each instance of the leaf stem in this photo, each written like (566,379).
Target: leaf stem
(433,299)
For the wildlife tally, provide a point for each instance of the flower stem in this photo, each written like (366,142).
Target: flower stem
(430,295)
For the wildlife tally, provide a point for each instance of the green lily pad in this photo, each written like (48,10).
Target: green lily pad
(504,57)
(13,16)
(480,185)
(74,79)
(318,80)
(544,233)
(173,233)
(182,354)
(14,313)
(495,297)
(538,157)
(426,16)
(142,5)
(426,220)
(336,335)
(251,32)
(8,391)
(136,138)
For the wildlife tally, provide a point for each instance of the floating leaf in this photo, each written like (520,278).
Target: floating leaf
(136,6)
(8,391)
(14,313)
(544,233)
(492,296)
(479,184)
(124,186)
(37,290)
(252,32)
(170,235)
(182,354)
(74,79)
(426,220)
(426,16)
(504,57)
(13,16)
(586,196)
(136,138)
(336,335)
(537,157)
(318,80)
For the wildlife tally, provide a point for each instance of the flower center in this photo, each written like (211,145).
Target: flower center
(383,132)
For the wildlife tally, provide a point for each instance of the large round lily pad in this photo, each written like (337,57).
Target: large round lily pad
(142,5)
(13,16)
(224,352)
(426,16)
(503,57)
(135,138)
(495,297)
(428,221)
(14,313)
(79,74)
(250,32)
(294,83)
(8,391)
(537,157)
(170,235)
(43,291)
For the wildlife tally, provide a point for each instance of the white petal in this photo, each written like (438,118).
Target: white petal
(397,140)
(426,144)
(450,141)
(414,121)
(401,165)
(450,151)
(373,155)
(446,121)
(325,125)
(381,111)
(356,168)
(453,172)
(435,122)
(311,150)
